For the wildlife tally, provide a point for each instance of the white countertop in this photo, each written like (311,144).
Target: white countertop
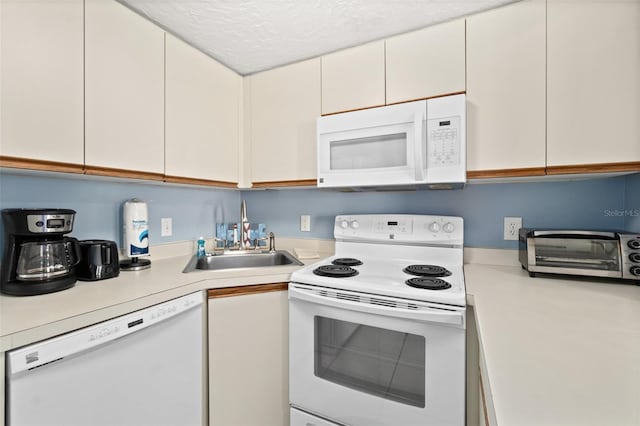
(557,351)
(25,320)
(553,351)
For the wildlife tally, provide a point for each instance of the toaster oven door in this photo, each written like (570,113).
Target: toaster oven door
(576,255)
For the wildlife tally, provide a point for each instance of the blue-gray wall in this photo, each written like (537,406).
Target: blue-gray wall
(98,204)
(632,203)
(605,203)
(590,204)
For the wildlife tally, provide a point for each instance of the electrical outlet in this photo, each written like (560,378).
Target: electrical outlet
(166,227)
(512,226)
(305,223)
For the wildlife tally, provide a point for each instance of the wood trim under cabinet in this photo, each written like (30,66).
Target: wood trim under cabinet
(195,181)
(49,166)
(285,183)
(122,173)
(429,97)
(245,290)
(394,103)
(632,166)
(502,173)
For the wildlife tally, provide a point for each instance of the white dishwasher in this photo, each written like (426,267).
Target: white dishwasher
(144,368)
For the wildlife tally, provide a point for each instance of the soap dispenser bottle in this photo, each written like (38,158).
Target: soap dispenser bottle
(201,252)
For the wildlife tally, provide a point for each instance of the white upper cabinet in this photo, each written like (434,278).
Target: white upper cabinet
(506,88)
(353,78)
(202,115)
(284,104)
(41,80)
(124,63)
(426,63)
(593,82)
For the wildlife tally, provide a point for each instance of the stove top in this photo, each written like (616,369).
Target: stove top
(385,277)
(405,256)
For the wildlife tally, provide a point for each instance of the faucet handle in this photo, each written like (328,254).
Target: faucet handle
(256,242)
(224,242)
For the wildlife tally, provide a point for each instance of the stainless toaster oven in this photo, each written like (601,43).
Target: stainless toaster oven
(586,253)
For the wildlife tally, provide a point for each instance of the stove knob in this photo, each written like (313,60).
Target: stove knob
(635,270)
(634,257)
(434,227)
(355,224)
(634,244)
(448,227)
(344,224)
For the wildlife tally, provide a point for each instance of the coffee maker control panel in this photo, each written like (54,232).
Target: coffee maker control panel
(57,223)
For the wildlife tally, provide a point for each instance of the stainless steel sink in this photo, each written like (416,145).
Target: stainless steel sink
(241,260)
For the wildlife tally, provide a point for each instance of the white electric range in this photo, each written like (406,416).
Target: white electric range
(377,332)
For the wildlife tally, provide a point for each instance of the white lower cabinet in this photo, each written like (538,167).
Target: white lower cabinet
(249,356)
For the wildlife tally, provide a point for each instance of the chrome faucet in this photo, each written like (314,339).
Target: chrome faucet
(272,242)
(245,242)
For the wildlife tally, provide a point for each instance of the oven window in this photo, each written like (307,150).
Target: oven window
(386,363)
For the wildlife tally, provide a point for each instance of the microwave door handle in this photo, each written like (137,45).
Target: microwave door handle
(419,145)
(429,315)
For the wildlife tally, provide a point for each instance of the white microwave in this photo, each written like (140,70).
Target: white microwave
(414,143)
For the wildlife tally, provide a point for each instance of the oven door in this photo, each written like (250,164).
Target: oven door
(369,360)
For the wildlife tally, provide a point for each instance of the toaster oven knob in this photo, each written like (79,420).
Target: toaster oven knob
(635,270)
(634,257)
(448,227)
(434,227)
(634,244)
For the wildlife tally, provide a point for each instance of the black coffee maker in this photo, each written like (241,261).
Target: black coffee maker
(37,257)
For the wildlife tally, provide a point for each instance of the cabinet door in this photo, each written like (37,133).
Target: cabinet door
(124,72)
(41,82)
(249,359)
(426,63)
(202,115)
(353,78)
(284,107)
(506,88)
(593,82)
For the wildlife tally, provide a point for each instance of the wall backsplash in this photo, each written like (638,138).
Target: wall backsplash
(98,203)
(605,203)
(632,203)
(591,204)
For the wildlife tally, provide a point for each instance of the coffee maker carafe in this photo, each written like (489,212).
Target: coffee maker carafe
(38,258)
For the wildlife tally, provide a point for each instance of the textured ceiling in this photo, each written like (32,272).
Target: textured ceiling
(253,35)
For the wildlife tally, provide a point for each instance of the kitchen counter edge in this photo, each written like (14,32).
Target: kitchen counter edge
(556,351)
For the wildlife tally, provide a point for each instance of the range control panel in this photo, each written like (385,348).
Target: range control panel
(419,229)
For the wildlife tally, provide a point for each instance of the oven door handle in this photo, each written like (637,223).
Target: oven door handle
(425,314)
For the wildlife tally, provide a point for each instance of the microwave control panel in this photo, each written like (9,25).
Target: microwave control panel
(443,142)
